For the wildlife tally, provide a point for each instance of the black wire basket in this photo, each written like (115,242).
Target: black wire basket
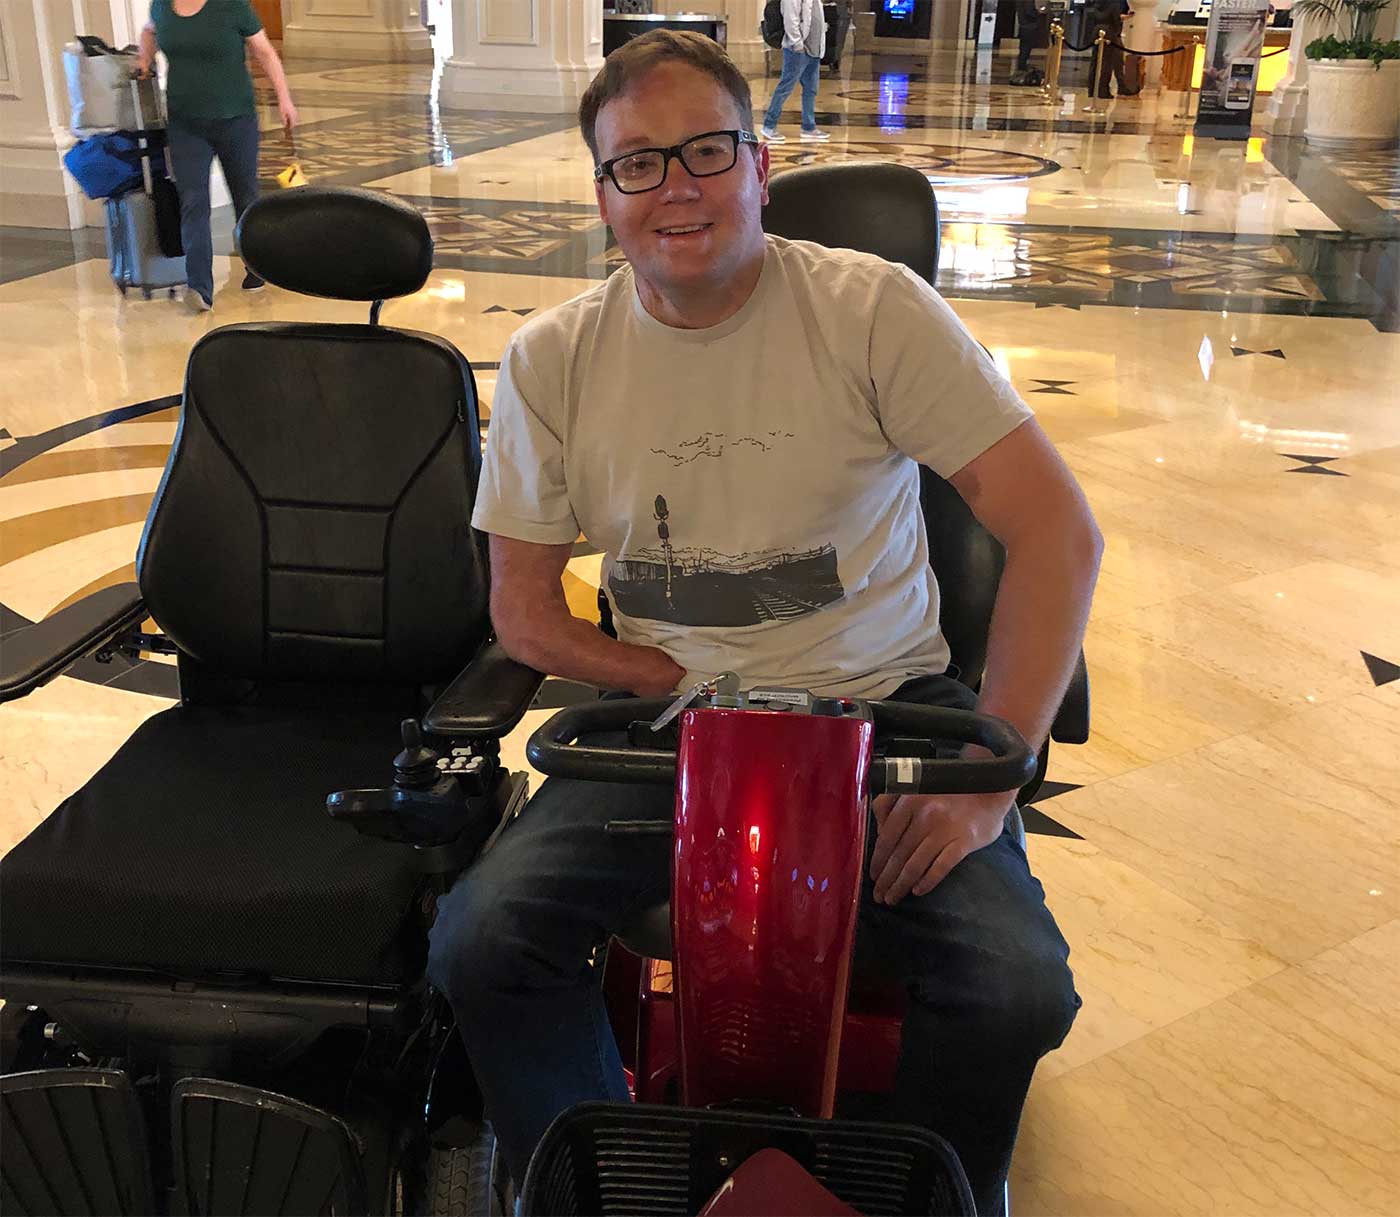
(620,1159)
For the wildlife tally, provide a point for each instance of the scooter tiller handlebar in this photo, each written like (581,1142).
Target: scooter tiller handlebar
(1012,764)
(552,750)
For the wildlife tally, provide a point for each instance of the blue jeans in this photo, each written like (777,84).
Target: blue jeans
(981,957)
(194,143)
(797,66)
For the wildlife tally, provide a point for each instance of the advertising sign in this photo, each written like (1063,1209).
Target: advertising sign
(1234,43)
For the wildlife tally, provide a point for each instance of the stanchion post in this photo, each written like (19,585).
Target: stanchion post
(1193,107)
(1050,90)
(1100,86)
(1185,111)
(1096,75)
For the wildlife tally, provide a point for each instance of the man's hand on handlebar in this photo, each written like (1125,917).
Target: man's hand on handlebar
(923,836)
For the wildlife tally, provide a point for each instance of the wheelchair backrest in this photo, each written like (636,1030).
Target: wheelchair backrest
(890,210)
(314,519)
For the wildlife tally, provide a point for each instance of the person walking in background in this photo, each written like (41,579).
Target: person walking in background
(209,98)
(804,44)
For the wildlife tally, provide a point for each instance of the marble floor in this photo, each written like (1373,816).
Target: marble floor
(1210,332)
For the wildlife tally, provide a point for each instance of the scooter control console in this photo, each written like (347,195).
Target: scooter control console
(723,692)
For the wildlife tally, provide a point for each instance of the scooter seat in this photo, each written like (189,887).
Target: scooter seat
(648,934)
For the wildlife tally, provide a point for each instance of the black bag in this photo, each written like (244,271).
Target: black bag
(772,26)
(166,199)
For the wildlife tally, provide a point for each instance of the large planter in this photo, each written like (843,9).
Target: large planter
(1353,104)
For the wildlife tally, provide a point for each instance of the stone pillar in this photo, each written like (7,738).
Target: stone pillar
(35,191)
(1287,111)
(524,56)
(380,30)
(744,17)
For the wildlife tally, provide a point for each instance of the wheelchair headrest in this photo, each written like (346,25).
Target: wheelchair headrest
(882,209)
(337,241)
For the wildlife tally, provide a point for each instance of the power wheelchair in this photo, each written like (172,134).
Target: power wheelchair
(214,991)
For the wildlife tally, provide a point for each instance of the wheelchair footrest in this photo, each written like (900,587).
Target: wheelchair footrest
(74,1142)
(242,1150)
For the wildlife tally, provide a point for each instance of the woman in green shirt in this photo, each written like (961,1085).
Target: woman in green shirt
(209,96)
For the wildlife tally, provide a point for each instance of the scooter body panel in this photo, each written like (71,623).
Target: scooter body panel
(769,845)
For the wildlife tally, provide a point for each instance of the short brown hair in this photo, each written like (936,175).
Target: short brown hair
(635,58)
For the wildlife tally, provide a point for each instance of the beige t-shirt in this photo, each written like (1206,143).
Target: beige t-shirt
(754,485)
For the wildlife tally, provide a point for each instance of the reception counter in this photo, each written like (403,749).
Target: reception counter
(1179,70)
(620,27)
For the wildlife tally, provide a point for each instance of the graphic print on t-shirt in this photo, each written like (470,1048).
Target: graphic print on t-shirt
(700,586)
(714,444)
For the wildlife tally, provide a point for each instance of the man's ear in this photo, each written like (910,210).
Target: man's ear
(763,166)
(600,192)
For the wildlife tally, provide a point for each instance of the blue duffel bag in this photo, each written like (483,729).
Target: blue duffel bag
(105,166)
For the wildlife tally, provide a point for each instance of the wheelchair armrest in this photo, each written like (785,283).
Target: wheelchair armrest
(487,699)
(1071,725)
(34,655)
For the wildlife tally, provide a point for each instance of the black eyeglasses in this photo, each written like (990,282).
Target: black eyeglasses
(702,155)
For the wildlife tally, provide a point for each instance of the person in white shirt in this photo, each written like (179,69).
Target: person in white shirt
(804,44)
(737,421)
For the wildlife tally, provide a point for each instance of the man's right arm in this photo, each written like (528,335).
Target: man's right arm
(794,37)
(534,624)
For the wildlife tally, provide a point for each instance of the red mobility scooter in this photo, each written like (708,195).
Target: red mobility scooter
(743,1013)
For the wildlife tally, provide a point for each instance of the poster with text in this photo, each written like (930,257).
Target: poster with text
(1230,76)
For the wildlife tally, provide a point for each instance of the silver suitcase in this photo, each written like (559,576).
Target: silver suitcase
(133,245)
(134,249)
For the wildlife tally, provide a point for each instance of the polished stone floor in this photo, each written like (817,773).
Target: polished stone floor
(1210,332)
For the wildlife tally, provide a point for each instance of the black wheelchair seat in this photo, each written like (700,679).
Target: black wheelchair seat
(203,847)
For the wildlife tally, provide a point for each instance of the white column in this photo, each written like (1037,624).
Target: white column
(743,17)
(1287,111)
(390,30)
(525,56)
(35,191)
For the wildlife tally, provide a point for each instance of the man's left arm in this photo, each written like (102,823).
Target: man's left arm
(1024,495)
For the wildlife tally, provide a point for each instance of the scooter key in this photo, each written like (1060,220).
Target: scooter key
(672,712)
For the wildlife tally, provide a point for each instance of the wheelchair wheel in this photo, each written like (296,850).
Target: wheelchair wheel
(469,1180)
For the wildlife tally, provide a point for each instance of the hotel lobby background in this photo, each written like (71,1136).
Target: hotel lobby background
(1209,331)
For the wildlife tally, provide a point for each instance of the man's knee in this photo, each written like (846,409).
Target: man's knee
(475,943)
(1022,999)
(1001,970)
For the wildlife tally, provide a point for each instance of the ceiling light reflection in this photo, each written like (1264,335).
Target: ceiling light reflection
(456,291)
(1205,356)
(988,202)
(979,253)
(1297,437)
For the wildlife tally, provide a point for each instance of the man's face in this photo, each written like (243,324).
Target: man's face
(667,106)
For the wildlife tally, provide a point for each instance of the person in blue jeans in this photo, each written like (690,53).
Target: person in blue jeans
(209,99)
(804,44)
(780,397)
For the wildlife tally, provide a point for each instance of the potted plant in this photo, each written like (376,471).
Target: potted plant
(1353,80)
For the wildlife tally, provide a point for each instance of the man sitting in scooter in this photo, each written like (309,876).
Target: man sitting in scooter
(736,421)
